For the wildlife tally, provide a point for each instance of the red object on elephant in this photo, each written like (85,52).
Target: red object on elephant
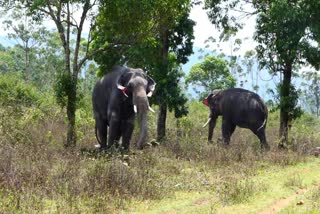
(205,101)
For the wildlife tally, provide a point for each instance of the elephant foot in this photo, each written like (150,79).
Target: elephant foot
(99,146)
(265,147)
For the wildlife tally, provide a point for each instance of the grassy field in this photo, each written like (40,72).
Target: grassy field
(182,174)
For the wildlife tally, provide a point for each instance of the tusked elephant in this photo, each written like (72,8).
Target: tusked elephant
(238,107)
(116,99)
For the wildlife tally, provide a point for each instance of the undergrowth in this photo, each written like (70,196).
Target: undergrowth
(38,174)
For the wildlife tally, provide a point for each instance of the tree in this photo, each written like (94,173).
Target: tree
(213,73)
(280,28)
(28,35)
(63,14)
(175,33)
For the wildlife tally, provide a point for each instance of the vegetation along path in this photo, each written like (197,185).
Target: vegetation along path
(275,189)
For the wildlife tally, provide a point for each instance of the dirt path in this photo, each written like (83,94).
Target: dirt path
(283,203)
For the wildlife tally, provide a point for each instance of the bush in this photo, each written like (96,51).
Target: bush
(14,92)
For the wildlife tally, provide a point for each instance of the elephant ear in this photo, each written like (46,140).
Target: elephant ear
(151,86)
(213,99)
(123,82)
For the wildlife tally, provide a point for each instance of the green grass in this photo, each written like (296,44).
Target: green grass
(306,203)
(268,185)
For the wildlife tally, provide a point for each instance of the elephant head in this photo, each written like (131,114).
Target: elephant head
(213,102)
(137,86)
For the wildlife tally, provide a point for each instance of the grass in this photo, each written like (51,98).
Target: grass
(306,203)
(183,174)
(267,185)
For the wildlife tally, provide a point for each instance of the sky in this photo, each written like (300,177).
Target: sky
(204,29)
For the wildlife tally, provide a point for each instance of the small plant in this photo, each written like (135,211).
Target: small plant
(315,198)
(294,182)
(235,190)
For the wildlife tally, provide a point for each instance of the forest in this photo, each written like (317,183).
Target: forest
(55,156)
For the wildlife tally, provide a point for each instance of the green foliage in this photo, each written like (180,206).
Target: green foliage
(212,73)
(21,107)
(290,103)
(294,182)
(234,190)
(169,90)
(62,86)
(125,27)
(14,92)
(280,28)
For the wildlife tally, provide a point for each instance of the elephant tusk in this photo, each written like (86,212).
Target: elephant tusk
(204,125)
(123,89)
(150,94)
(150,109)
(264,122)
(135,108)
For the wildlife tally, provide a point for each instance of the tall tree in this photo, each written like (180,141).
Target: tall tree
(281,26)
(175,33)
(28,34)
(69,18)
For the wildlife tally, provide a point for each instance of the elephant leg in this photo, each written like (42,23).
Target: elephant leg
(127,129)
(262,137)
(227,130)
(114,133)
(102,131)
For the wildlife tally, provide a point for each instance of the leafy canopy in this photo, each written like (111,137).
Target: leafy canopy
(212,73)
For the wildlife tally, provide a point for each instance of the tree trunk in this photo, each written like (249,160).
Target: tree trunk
(316,92)
(284,105)
(161,128)
(71,113)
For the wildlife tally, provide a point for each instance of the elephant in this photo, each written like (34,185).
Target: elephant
(117,98)
(238,107)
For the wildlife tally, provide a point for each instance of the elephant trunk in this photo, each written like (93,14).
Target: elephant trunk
(141,102)
(212,124)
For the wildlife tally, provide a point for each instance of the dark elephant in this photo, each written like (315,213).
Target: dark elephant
(116,98)
(238,107)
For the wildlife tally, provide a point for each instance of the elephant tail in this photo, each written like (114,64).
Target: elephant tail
(96,133)
(263,124)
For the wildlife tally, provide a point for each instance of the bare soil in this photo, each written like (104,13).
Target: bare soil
(283,203)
